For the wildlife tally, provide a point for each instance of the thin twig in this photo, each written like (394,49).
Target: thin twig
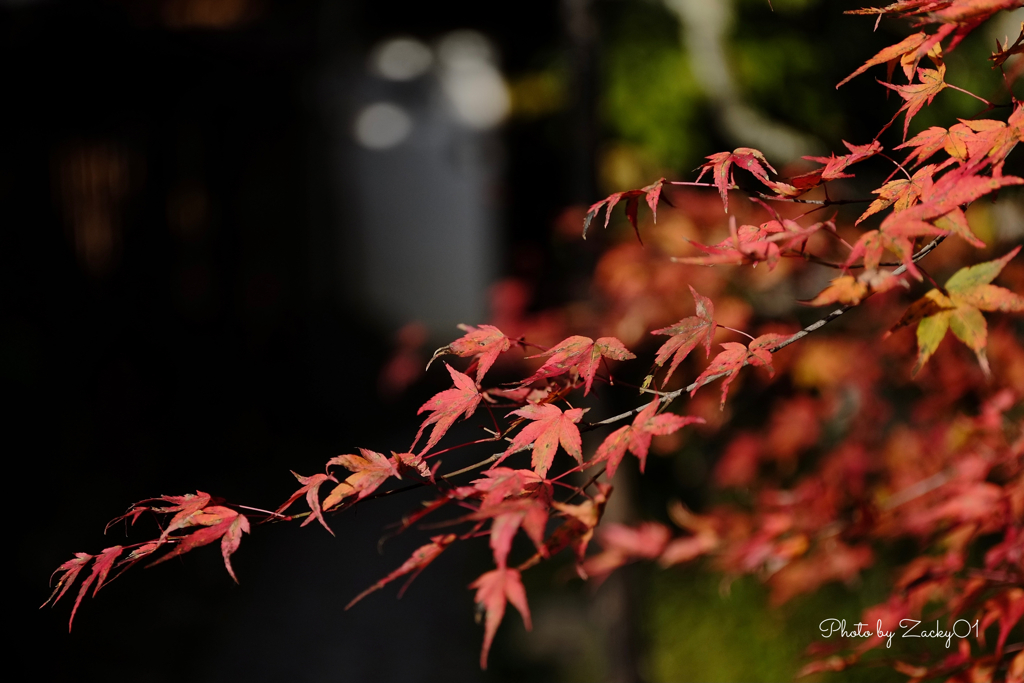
(733,329)
(266,512)
(968,92)
(917,490)
(819,202)
(830,264)
(899,166)
(668,398)
(776,198)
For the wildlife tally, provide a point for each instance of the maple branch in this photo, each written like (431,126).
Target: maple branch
(935,284)
(830,229)
(497,437)
(830,264)
(668,398)
(776,198)
(642,390)
(474,466)
(415,485)
(421,484)
(581,490)
(820,202)
(266,512)
(917,490)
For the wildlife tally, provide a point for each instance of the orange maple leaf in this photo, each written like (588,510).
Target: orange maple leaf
(932,82)
(369,471)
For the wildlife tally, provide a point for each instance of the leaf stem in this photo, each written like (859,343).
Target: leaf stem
(776,198)
(968,92)
(733,329)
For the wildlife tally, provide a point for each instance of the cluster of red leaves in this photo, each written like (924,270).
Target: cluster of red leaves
(817,509)
(216,521)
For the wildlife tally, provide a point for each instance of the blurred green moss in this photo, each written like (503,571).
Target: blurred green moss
(700,628)
(650,99)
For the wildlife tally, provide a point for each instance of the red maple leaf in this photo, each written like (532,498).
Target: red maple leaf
(1004,52)
(939,199)
(579,525)
(499,483)
(737,355)
(623,544)
(231,539)
(220,523)
(494,590)
(986,140)
(486,342)
(529,512)
(687,333)
(896,234)
(916,95)
(69,572)
(100,570)
(687,548)
(956,188)
(929,141)
(582,353)
(369,471)
(970,11)
(409,462)
(131,516)
(646,541)
(549,428)
(652,193)
(835,167)
(754,243)
(311,489)
(637,436)
(721,167)
(417,562)
(970,141)
(186,507)
(1007,608)
(955,17)
(446,407)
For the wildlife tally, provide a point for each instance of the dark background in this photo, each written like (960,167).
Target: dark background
(211,351)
